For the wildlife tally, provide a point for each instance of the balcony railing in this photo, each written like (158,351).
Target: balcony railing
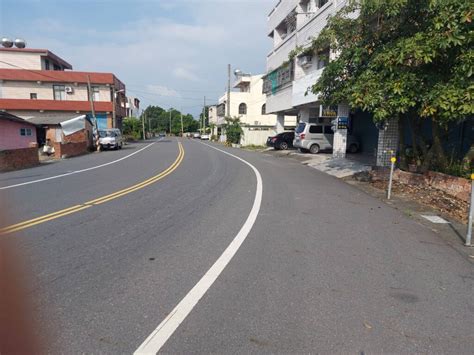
(278,78)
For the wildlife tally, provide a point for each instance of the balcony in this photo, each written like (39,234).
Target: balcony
(280,53)
(280,12)
(278,79)
(280,101)
(302,86)
(242,82)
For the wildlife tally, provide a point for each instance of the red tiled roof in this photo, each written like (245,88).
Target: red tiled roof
(44,52)
(54,105)
(57,76)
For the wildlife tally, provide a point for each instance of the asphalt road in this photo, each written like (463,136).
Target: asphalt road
(326,268)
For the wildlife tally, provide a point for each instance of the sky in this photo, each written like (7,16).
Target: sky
(169,53)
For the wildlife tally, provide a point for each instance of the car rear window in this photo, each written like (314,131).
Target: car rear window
(300,128)
(316,129)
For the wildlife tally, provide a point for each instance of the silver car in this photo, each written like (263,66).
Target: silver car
(314,137)
(110,138)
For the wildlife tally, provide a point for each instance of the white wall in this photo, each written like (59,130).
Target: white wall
(21,60)
(256,137)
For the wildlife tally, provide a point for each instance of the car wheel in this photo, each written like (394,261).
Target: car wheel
(353,148)
(314,149)
(283,146)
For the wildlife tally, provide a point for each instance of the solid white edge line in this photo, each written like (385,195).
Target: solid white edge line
(76,171)
(167,327)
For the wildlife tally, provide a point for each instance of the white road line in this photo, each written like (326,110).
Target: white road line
(168,326)
(76,171)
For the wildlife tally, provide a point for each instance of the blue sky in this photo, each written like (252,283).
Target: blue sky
(168,52)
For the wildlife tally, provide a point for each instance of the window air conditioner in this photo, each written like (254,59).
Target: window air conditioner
(69,89)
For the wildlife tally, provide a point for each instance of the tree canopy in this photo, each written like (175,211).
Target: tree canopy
(401,58)
(157,119)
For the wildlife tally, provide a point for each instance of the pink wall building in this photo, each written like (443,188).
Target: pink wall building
(16,133)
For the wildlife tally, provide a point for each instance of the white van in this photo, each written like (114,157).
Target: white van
(314,137)
(110,138)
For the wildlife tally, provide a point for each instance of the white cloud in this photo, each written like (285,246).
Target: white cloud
(188,52)
(162,90)
(185,74)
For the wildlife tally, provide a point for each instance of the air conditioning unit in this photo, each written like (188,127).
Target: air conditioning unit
(306,61)
(69,89)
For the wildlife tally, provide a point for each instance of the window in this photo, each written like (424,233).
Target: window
(25,132)
(242,109)
(321,3)
(323,58)
(57,67)
(316,129)
(95,93)
(328,130)
(264,109)
(33,95)
(46,64)
(59,92)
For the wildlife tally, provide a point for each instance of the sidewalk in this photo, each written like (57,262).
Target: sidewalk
(452,232)
(340,168)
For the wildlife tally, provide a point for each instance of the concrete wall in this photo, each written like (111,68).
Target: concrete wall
(10,137)
(24,60)
(18,158)
(256,137)
(44,91)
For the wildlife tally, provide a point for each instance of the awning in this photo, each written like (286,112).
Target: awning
(73,125)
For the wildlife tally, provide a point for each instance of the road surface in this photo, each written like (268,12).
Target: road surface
(324,268)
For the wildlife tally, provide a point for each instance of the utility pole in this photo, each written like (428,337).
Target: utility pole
(228,90)
(170,121)
(89,89)
(114,102)
(204,117)
(143,125)
(182,128)
(149,124)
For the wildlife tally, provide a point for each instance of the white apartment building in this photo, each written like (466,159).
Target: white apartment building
(133,107)
(248,102)
(287,84)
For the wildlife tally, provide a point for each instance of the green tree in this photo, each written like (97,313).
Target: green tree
(233,129)
(160,120)
(132,128)
(410,60)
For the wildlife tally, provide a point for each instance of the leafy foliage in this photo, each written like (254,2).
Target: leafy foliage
(233,129)
(160,120)
(399,56)
(410,60)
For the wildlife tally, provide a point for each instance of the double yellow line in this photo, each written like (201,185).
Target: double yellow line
(97,201)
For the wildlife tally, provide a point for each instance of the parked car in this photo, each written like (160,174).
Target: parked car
(162,134)
(205,137)
(196,135)
(314,137)
(110,138)
(282,141)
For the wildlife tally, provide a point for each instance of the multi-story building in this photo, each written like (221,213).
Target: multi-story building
(133,107)
(40,87)
(248,102)
(287,84)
